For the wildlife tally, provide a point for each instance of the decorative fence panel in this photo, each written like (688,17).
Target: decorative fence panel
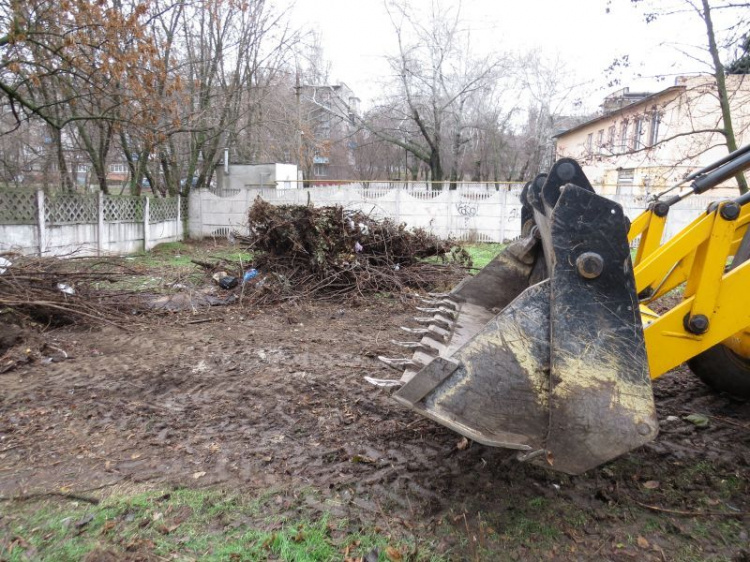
(163,210)
(18,207)
(70,209)
(83,224)
(123,209)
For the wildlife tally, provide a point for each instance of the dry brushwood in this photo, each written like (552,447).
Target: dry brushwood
(53,292)
(329,252)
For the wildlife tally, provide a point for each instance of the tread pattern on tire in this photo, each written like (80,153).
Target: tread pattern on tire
(724,370)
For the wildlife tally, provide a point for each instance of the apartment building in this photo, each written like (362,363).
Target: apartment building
(644,142)
(328,115)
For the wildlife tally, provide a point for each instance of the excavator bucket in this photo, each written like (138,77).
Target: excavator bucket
(543,350)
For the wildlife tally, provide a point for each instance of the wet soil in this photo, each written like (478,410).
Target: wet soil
(275,399)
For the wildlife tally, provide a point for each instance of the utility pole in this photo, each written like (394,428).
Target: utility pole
(298,93)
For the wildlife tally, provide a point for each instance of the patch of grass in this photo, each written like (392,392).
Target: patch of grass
(206,524)
(482,254)
(537,502)
(233,255)
(527,527)
(652,525)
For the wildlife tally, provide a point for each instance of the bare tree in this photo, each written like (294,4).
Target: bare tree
(231,53)
(75,64)
(436,81)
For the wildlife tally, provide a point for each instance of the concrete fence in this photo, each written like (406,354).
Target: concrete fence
(34,223)
(476,212)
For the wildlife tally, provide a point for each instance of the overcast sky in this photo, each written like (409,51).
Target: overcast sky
(356,34)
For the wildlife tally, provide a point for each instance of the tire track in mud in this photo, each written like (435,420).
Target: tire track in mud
(204,398)
(261,405)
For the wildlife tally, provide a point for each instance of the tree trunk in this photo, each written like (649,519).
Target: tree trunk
(62,165)
(721,86)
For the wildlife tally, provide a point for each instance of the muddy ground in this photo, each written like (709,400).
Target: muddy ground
(275,398)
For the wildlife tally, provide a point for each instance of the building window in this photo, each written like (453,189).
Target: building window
(118,168)
(611,138)
(590,144)
(320,171)
(600,141)
(653,136)
(625,177)
(624,135)
(637,134)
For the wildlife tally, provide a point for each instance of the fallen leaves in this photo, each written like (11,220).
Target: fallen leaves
(393,554)
(363,459)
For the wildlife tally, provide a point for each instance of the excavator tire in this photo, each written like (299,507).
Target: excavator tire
(724,370)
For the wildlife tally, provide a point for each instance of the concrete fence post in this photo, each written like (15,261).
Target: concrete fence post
(146,209)
(41,226)
(503,214)
(398,204)
(449,214)
(179,230)
(99,223)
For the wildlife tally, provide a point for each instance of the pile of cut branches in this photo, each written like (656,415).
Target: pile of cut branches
(330,252)
(53,292)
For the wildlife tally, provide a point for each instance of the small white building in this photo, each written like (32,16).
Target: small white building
(232,177)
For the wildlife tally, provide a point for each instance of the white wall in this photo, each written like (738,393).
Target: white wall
(81,239)
(470,213)
(242,176)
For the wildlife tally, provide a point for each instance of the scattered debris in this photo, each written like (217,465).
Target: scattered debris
(698,420)
(228,282)
(188,301)
(66,289)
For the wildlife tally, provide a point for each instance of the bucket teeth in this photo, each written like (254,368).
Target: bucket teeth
(439,321)
(398,363)
(385,382)
(443,323)
(408,375)
(439,334)
(447,303)
(434,332)
(441,310)
(407,344)
(416,331)
(427,346)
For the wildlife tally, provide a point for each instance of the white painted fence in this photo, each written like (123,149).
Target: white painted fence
(33,223)
(481,213)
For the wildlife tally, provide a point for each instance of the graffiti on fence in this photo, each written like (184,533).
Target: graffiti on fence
(467,211)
